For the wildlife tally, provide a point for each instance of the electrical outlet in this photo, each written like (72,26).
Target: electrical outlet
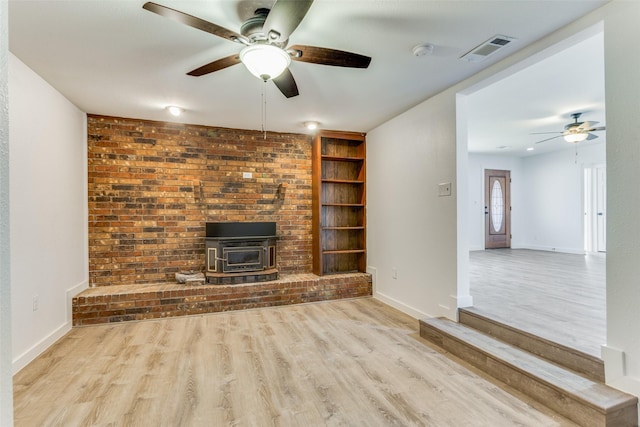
(35,302)
(444,189)
(394,273)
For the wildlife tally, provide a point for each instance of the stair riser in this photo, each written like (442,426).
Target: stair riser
(564,404)
(583,364)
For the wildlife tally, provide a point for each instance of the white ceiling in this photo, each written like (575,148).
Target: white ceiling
(504,116)
(112,57)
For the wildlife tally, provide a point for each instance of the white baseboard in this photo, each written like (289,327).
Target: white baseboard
(406,309)
(552,249)
(28,356)
(615,371)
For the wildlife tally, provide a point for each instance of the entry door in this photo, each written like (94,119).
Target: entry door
(497,209)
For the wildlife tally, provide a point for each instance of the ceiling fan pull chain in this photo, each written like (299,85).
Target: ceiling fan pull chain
(264,108)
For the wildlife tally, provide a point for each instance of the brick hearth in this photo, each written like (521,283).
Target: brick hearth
(105,304)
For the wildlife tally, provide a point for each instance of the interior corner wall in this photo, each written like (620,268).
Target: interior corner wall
(48,208)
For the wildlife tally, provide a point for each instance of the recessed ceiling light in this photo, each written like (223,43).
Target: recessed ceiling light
(530,149)
(503,147)
(311,125)
(174,111)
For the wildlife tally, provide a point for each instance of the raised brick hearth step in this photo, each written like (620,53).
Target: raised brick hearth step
(118,303)
(582,400)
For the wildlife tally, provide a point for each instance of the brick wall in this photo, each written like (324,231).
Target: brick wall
(153,185)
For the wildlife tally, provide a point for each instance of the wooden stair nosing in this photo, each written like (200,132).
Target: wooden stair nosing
(590,394)
(570,358)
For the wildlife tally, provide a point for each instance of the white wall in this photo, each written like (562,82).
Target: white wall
(477,165)
(555,198)
(48,208)
(546,197)
(410,228)
(6,386)
(622,84)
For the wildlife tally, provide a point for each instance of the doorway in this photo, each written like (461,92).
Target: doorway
(595,208)
(497,209)
(542,224)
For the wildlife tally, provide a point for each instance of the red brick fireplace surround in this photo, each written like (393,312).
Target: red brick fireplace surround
(152,187)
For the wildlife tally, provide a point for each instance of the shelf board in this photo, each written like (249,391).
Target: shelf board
(352,205)
(343,181)
(360,227)
(344,251)
(343,159)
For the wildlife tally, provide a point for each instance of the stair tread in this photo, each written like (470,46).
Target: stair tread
(593,393)
(582,363)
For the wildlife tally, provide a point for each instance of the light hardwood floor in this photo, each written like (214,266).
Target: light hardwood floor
(340,363)
(557,296)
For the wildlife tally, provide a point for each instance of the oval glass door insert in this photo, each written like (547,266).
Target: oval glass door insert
(497,206)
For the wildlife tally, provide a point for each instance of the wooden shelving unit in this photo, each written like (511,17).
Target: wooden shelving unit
(339,202)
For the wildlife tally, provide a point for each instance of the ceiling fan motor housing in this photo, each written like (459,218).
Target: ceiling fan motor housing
(252,27)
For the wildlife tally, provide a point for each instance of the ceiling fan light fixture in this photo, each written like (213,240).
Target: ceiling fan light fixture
(575,137)
(265,61)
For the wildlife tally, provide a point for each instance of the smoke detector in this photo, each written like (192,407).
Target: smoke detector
(422,49)
(488,48)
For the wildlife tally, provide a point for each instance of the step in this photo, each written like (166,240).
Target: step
(582,363)
(582,400)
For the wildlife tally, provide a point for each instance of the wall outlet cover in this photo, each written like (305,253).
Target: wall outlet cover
(444,189)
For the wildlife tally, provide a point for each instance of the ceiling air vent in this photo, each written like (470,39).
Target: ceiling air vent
(489,47)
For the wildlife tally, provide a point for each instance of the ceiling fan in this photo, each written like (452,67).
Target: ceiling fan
(575,132)
(265,38)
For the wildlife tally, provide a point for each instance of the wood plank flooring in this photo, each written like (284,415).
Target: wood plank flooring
(339,363)
(557,296)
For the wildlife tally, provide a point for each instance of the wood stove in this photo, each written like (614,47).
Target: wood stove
(240,252)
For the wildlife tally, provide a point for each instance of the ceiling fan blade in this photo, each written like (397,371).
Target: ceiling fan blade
(544,133)
(287,84)
(321,55)
(284,18)
(548,139)
(216,65)
(587,125)
(591,136)
(596,129)
(194,22)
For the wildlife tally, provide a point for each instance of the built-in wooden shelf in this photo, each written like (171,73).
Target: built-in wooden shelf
(344,251)
(343,159)
(339,230)
(343,228)
(343,181)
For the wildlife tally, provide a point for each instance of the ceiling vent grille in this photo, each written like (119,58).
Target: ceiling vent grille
(488,48)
